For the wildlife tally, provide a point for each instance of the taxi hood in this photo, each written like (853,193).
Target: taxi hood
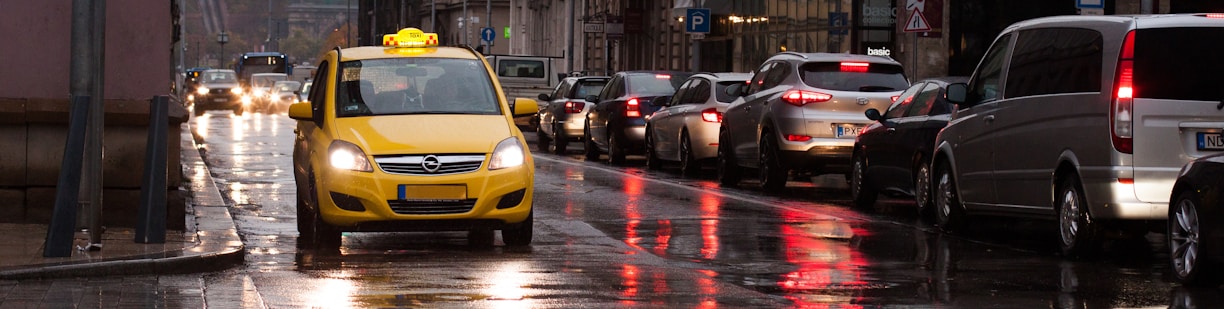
(424,134)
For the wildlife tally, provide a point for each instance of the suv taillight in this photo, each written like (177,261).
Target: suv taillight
(632,109)
(1124,96)
(574,107)
(800,97)
(711,115)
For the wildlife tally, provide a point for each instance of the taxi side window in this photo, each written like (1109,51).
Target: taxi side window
(316,96)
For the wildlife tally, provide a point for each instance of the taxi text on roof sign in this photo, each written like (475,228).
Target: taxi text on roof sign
(410,37)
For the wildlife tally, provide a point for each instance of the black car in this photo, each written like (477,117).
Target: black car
(616,124)
(1196,241)
(893,154)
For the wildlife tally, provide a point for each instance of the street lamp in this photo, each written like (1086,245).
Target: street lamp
(222,38)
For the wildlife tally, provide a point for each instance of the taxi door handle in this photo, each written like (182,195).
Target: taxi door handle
(989,118)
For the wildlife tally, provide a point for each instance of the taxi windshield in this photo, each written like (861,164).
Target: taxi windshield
(400,86)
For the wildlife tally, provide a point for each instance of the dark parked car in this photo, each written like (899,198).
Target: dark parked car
(1195,238)
(616,125)
(563,112)
(893,154)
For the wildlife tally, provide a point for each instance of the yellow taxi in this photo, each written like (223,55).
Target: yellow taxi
(410,136)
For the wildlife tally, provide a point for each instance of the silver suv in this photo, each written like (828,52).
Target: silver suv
(801,112)
(1082,119)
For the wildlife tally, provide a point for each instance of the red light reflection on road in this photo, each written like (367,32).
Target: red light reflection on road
(662,237)
(629,283)
(710,207)
(827,264)
(633,193)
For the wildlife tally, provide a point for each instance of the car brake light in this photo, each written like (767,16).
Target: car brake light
(800,97)
(1124,98)
(1215,15)
(574,107)
(662,76)
(632,109)
(854,66)
(711,115)
(894,98)
(798,138)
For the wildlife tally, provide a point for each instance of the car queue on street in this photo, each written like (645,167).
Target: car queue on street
(1082,120)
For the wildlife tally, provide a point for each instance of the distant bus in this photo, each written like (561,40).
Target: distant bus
(261,62)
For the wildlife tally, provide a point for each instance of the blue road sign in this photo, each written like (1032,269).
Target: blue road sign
(839,23)
(697,21)
(487,34)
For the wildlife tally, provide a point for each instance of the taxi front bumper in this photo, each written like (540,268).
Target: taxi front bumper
(381,201)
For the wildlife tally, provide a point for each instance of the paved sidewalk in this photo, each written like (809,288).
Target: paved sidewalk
(210,242)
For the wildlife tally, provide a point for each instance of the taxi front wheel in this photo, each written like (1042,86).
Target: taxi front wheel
(520,234)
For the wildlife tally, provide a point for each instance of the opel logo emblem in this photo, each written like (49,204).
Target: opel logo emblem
(431,163)
(862,101)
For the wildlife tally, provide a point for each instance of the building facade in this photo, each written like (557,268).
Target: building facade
(605,36)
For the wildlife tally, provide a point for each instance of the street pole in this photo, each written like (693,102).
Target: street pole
(348,25)
(94,139)
(489,23)
(433,16)
(569,57)
(467,40)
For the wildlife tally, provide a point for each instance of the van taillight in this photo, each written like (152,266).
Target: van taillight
(800,97)
(632,109)
(1124,97)
(711,115)
(574,107)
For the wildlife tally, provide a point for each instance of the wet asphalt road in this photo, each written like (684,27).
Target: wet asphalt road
(621,236)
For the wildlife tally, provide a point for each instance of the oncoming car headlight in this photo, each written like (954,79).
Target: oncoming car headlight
(345,155)
(202,90)
(507,154)
(236,90)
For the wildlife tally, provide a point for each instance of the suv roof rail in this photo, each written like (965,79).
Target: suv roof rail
(796,54)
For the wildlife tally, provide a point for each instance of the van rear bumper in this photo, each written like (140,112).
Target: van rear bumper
(1110,199)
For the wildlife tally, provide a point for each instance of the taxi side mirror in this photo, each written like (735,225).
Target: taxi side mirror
(957,93)
(525,107)
(301,111)
(592,98)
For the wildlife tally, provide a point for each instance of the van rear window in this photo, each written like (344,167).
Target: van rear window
(520,68)
(1179,64)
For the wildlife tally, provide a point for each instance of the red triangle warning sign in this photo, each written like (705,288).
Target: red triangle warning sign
(917,23)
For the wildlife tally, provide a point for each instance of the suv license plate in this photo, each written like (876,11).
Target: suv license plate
(847,130)
(1210,141)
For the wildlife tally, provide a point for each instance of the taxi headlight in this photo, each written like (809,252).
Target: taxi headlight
(246,100)
(345,155)
(509,153)
(236,90)
(202,90)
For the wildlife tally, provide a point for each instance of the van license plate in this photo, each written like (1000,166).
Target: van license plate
(1210,141)
(847,130)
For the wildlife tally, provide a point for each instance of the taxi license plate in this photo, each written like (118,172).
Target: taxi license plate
(1210,141)
(847,130)
(432,192)
(220,100)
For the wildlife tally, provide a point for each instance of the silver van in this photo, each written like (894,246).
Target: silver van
(1082,119)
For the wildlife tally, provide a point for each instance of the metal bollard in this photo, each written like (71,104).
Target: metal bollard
(63,217)
(151,218)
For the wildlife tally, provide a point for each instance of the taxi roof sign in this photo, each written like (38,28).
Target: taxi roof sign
(410,37)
